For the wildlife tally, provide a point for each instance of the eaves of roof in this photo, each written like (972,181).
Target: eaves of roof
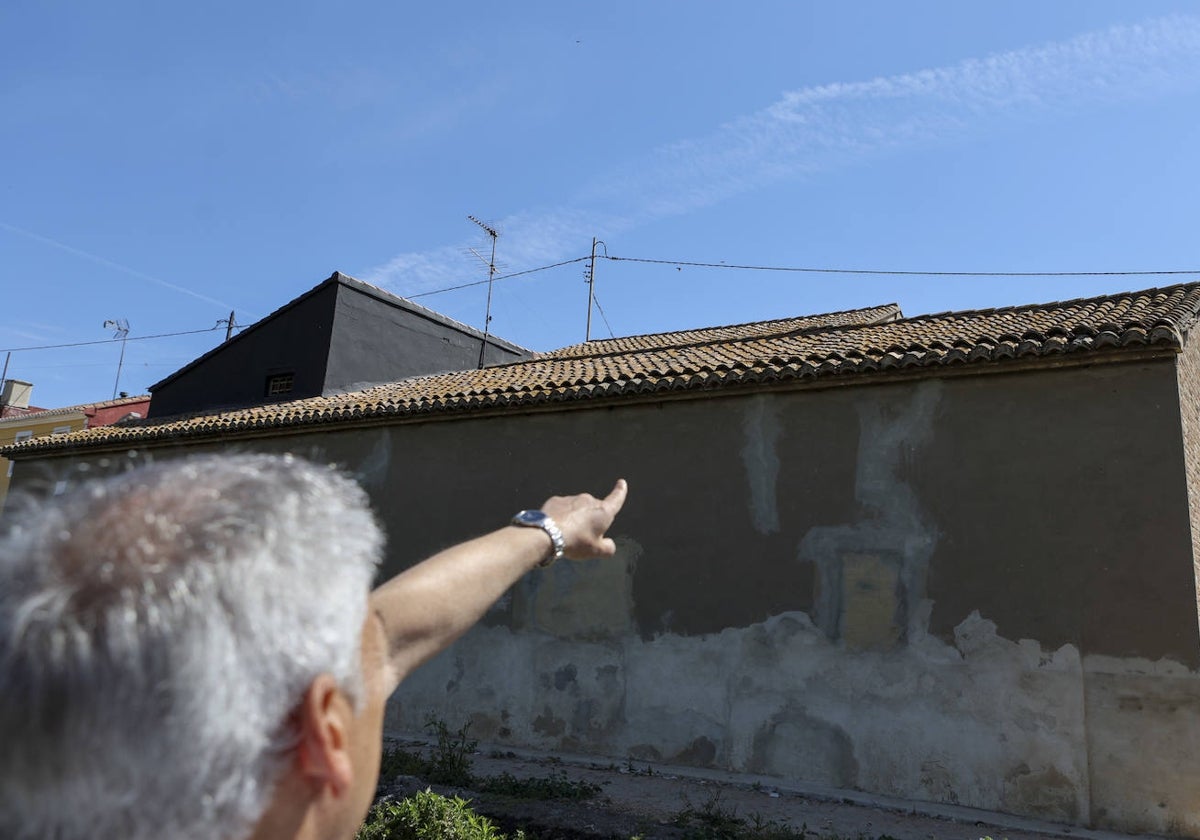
(1084,330)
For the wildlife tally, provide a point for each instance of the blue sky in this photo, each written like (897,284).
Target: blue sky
(166,163)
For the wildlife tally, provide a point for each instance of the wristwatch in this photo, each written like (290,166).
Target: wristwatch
(537,519)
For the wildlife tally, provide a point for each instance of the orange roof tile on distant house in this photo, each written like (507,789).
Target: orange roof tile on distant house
(101,413)
(7,411)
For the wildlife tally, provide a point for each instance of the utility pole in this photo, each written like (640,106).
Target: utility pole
(121,327)
(590,275)
(591,281)
(487,315)
(228,326)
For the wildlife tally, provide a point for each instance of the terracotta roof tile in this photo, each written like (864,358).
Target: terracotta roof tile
(43,413)
(734,332)
(844,344)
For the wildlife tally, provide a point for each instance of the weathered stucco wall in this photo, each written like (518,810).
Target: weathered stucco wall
(977,590)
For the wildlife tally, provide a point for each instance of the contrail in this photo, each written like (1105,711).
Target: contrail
(87,255)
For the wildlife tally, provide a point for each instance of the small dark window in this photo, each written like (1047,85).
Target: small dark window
(280,384)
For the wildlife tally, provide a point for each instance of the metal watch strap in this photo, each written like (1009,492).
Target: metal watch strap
(538,519)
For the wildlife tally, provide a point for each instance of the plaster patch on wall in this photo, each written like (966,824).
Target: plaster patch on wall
(372,470)
(1047,791)
(1144,739)
(983,722)
(761,429)
(585,599)
(792,743)
(872,609)
(891,540)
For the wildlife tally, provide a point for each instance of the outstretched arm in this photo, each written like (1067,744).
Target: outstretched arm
(425,608)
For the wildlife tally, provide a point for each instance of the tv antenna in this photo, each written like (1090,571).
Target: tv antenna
(491,264)
(120,329)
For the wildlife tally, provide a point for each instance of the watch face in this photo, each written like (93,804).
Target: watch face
(531,517)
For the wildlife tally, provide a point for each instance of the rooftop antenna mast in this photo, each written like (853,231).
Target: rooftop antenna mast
(491,264)
(120,329)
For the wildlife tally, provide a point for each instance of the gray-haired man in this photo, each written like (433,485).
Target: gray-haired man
(192,650)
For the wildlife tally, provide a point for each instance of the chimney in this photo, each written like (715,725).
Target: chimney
(16,394)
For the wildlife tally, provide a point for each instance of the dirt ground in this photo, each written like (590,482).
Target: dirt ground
(639,799)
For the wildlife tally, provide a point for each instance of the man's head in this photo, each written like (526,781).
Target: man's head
(161,633)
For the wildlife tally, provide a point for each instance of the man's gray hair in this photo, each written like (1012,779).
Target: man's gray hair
(157,630)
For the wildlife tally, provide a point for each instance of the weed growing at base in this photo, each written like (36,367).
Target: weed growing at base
(429,816)
(449,763)
(555,786)
(713,821)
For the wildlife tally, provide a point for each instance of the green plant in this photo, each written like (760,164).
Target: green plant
(713,821)
(761,828)
(428,816)
(710,821)
(449,761)
(555,786)
(398,762)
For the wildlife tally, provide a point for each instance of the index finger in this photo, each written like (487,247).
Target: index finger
(616,498)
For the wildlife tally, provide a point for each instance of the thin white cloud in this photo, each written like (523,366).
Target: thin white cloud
(834,125)
(24,335)
(99,260)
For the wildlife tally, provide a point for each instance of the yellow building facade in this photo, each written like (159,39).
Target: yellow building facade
(20,421)
(15,429)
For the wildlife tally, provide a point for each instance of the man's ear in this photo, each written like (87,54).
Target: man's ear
(323,720)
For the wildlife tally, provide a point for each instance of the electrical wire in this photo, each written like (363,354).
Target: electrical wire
(109,340)
(811,270)
(901,273)
(175,364)
(600,309)
(494,279)
(677,263)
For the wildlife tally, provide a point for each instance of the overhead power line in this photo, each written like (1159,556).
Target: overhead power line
(895,273)
(73,365)
(600,309)
(678,263)
(815,270)
(498,277)
(110,340)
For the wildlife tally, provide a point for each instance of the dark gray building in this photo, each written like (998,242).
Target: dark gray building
(340,336)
